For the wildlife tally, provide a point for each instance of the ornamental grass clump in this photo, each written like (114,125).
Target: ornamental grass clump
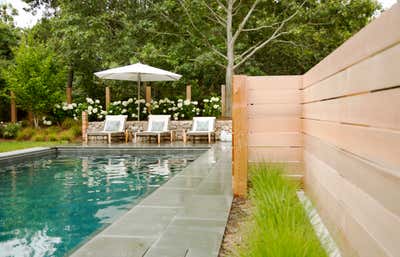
(279,225)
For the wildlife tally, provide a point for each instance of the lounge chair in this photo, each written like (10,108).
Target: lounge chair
(202,126)
(157,127)
(114,125)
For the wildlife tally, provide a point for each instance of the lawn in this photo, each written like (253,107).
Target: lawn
(6,146)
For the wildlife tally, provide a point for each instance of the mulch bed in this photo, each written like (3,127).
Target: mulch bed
(238,215)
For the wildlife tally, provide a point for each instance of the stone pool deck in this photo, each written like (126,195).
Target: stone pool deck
(186,217)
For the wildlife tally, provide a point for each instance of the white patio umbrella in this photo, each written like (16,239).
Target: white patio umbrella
(138,72)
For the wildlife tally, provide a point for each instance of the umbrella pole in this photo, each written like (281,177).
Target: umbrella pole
(138,118)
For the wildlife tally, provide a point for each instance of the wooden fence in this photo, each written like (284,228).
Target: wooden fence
(266,124)
(351,125)
(350,113)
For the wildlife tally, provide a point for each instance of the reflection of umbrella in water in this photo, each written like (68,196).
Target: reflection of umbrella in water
(138,72)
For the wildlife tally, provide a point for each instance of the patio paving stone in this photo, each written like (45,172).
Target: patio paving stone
(185,217)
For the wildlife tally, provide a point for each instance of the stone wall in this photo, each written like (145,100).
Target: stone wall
(178,125)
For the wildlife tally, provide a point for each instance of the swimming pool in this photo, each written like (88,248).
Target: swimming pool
(51,205)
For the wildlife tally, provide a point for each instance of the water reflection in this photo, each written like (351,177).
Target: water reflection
(48,206)
(36,245)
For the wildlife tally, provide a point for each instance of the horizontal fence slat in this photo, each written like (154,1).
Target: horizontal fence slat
(275,139)
(378,35)
(273,124)
(379,183)
(273,82)
(291,168)
(267,111)
(275,154)
(282,96)
(377,109)
(378,145)
(377,72)
(353,239)
(381,224)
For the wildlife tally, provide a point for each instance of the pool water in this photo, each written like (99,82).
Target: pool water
(51,205)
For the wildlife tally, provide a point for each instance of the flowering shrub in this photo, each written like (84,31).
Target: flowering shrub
(63,111)
(179,109)
(128,107)
(9,130)
(186,110)
(46,121)
(163,106)
(212,106)
(93,109)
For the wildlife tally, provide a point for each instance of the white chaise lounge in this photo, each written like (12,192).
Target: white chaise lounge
(157,127)
(114,125)
(202,126)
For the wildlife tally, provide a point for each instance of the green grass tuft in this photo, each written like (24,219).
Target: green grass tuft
(279,225)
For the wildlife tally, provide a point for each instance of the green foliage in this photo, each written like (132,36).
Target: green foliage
(94,35)
(37,78)
(10,130)
(38,137)
(212,106)
(53,133)
(76,131)
(25,133)
(69,123)
(279,225)
(67,135)
(8,40)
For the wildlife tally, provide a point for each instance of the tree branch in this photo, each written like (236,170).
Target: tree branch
(274,35)
(261,27)
(244,21)
(218,18)
(220,4)
(199,31)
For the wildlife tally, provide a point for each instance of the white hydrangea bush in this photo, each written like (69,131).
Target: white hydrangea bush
(212,106)
(129,107)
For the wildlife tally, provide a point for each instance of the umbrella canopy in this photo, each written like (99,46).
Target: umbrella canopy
(138,72)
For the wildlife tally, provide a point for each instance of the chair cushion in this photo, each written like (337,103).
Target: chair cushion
(202,125)
(157,126)
(112,125)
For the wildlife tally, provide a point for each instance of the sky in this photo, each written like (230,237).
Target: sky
(26,20)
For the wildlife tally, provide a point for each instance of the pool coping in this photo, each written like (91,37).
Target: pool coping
(27,154)
(185,217)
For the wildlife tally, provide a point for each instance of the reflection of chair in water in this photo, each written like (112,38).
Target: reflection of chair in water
(160,168)
(116,168)
(36,244)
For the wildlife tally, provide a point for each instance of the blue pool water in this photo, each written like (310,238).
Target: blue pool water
(51,205)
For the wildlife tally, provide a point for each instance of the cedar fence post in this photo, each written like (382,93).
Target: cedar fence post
(13,108)
(108,97)
(189,92)
(240,136)
(85,125)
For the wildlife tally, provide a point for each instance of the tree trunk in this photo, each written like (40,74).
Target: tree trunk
(35,121)
(69,84)
(231,59)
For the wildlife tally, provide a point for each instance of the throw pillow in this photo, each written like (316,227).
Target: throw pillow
(202,125)
(157,126)
(112,125)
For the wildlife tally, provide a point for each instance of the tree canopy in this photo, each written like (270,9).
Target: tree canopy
(190,37)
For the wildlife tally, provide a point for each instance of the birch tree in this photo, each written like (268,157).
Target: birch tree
(235,18)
